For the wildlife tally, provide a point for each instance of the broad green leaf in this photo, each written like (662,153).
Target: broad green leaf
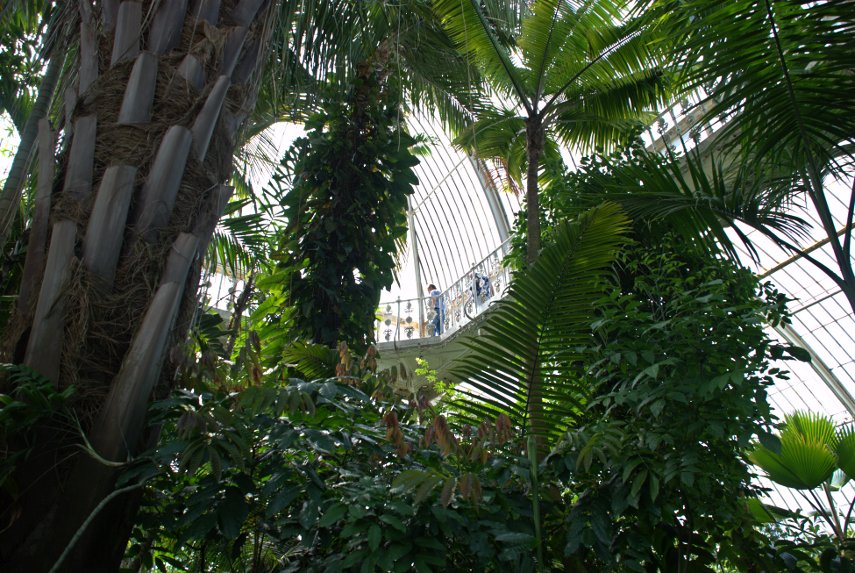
(332,515)
(548,310)
(374,536)
(232,513)
(282,500)
(806,458)
(394,521)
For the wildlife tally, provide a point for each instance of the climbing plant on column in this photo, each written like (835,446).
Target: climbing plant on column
(346,212)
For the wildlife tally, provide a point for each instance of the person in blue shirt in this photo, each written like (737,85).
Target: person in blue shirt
(438,307)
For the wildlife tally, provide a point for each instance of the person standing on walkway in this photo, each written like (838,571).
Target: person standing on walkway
(438,307)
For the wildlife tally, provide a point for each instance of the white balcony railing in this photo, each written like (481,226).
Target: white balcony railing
(459,304)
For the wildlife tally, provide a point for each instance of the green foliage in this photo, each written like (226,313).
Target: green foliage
(810,453)
(678,371)
(583,74)
(33,401)
(346,213)
(779,68)
(242,240)
(801,544)
(339,475)
(697,198)
(522,363)
(804,455)
(320,476)
(22,24)
(587,75)
(775,76)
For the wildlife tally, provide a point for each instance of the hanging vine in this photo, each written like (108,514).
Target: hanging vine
(346,212)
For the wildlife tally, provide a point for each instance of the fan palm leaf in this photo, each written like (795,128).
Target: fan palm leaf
(806,458)
(845,449)
(525,347)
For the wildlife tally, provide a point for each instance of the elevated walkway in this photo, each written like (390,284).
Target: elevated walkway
(407,329)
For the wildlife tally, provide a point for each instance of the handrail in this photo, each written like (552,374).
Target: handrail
(458,305)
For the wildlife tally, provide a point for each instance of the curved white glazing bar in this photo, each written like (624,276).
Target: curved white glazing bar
(458,214)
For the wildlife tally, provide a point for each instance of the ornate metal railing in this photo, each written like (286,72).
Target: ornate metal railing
(459,304)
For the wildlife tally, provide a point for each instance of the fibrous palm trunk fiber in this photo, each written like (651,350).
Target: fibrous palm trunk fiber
(162,88)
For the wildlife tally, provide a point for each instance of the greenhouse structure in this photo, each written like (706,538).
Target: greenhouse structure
(427,285)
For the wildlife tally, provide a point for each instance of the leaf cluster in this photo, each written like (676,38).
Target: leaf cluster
(679,371)
(320,476)
(346,213)
(34,401)
(22,25)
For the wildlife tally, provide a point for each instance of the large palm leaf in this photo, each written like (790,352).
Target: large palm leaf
(806,457)
(846,450)
(326,40)
(782,67)
(573,71)
(525,347)
(485,43)
(698,197)
(565,58)
(780,73)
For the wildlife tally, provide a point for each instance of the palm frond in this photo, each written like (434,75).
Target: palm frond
(845,449)
(525,347)
(476,36)
(241,241)
(312,361)
(780,69)
(543,35)
(806,457)
(699,198)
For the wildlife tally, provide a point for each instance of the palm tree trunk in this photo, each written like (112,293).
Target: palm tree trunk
(535,140)
(155,115)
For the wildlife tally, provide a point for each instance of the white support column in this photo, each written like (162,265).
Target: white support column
(411,223)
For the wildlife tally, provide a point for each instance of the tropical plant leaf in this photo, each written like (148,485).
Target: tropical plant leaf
(701,198)
(845,449)
(524,353)
(781,69)
(575,67)
(312,361)
(807,458)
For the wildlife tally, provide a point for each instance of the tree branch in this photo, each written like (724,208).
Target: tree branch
(847,240)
